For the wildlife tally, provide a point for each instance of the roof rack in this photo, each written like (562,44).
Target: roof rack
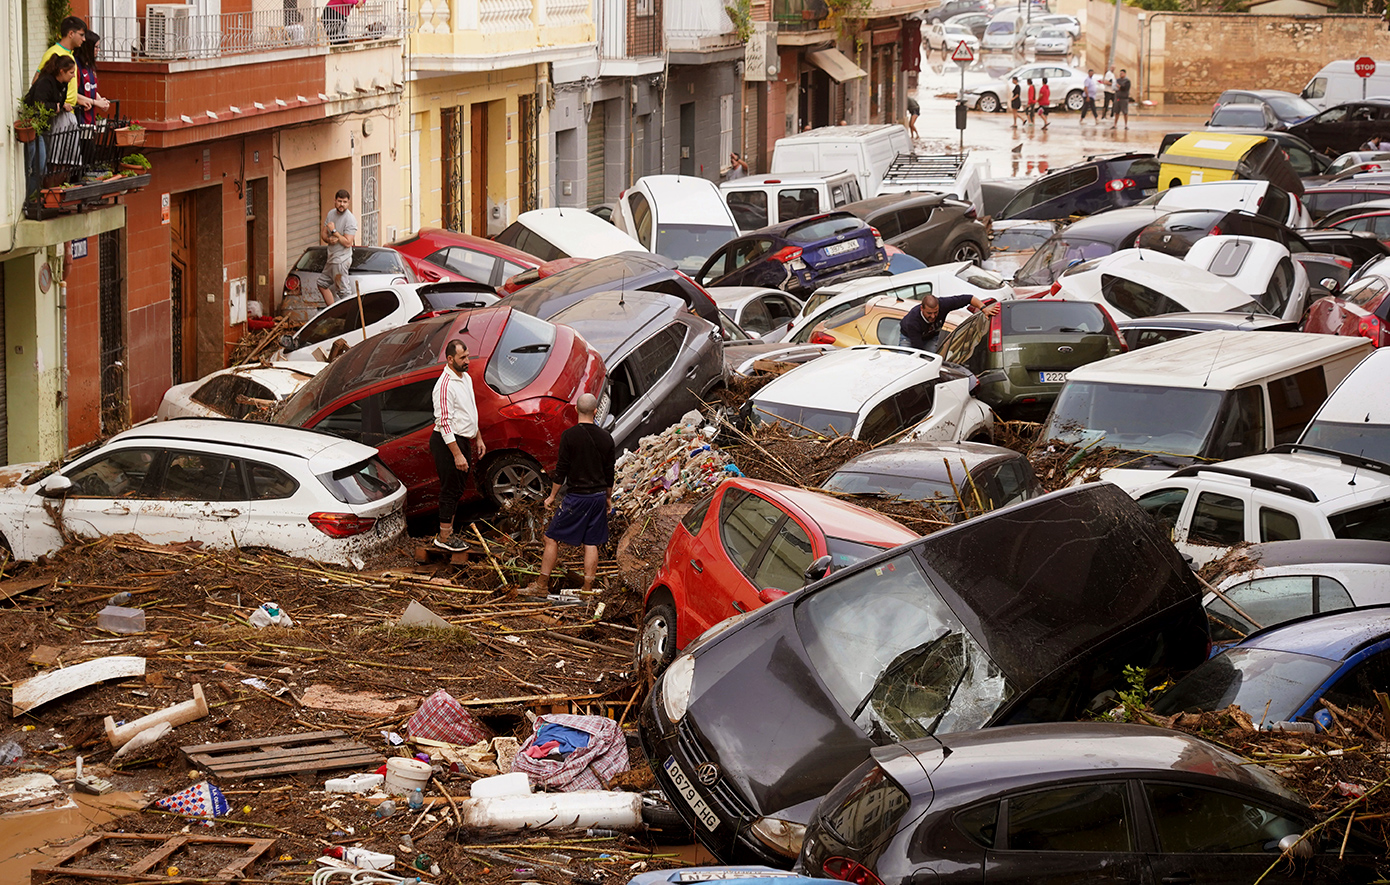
(1349,460)
(1257,480)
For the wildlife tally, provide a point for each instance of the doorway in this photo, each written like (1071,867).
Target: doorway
(478,155)
(183,310)
(688,138)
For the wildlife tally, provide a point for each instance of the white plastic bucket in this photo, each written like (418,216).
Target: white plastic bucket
(581,809)
(404,775)
(513,784)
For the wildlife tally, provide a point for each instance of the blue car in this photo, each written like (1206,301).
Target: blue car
(745,875)
(798,256)
(1284,673)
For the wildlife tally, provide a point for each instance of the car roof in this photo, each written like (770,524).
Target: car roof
(609,320)
(563,226)
(842,133)
(687,199)
(850,521)
(737,296)
(927,460)
(1103,225)
(1361,398)
(1334,635)
(1315,551)
(323,451)
(1202,321)
(883,201)
(1302,471)
(1221,359)
(1160,271)
(443,237)
(848,379)
(785,178)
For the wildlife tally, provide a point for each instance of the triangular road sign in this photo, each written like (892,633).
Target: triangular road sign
(962,55)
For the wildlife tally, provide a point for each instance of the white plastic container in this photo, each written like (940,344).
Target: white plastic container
(404,775)
(513,784)
(553,811)
(354,783)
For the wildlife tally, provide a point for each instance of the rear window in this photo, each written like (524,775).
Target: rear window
(805,419)
(312,260)
(823,228)
(361,483)
(1051,317)
(1365,523)
(866,811)
(376,261)
(521,353)
(347,316)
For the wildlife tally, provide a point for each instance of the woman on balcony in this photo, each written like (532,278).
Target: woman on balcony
(50,90)
(335,16)
(89,96)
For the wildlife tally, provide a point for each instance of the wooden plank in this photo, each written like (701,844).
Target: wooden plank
(9,590)
(285,754)
(530,699)
(243,763)
(67,866)
(282,740)
(303,768)
(50,686)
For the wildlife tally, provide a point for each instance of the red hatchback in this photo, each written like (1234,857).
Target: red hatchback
(527,374)
(436,254)
(1362,310)
(749,543)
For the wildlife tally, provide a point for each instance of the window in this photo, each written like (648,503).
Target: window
(641,218)
(1276,525)
(745,252)
(1191,820)
(369,202)
(119,474)
(1218,519)
(521,354)
(863,813)
(839,195)
(1269,601)
(227,394)
(965,339)
(1240,426)
(780,310)
(1275,204)
(1164,505)
(347,316)
(913,217)
(1332,115)
(1293,401)
(889,331)
(193,476)
(755,319)
(1280,288)
(745,521)
(980,823)
(476,266)
(1088,817)
(1358,687)
(749,209)
(361,483)
(799,202)
(1135,300)
(898,412)
(784,564)
(1366,523)
(658,353)
(695,516)
(407,408)
(726,129)
(1316,88)
(269,483)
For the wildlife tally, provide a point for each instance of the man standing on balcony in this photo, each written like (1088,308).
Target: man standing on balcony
(74,33)
(340,233)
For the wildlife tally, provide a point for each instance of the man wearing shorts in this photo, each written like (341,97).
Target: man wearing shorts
(340,233)
(1121,99)
(586,462)
(1015,102)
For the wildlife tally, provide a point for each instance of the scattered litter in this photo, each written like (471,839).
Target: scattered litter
(1351,791)
(268,614)
(10,751)
(142,739)
(392,738)
(582,766)
(257,682)
(442,718)
(679,463)
(118,619)
(120,598)
(366,703)
(31,792)
(580,809)
(362,858)
(178,714)
(35,692)
(282,754)
(385,810)
(200,800)
(403,775)
(515,783)
(354,783)
(416,615)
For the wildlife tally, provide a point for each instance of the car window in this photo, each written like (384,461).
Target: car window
(780,309)
(1364,523)
(1280,289)
(118,474)
(755,318)
(1192,820)
(1025,317)
(347,316)
(839,195)
(1164,505)
(695,516)
(1275,204)
(1269,601)
(749,208)
(346,420)
(798,202)
(880,423)
(965,339)
(375,261)
(747,251)
(521,354)
(268,483)
(913,217)
(658,353)
(624,385)
(1293,401)
(1135,299)
(1331,115)
(1301,161)
(1218,519)
(510,270)
(1361,685)
(196,476)
(745,522)
(1276,525)
(1240,425)
(1016,482)
(1363,292)
(477,266)
(641,218)
(887,224)
(221,393)
(1086,817)
(784,564)
(407,408)
(361,483)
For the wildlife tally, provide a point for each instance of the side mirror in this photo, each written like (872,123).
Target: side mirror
(1329,284)
(609,422)
(817,570)
(287,342)
(55,486)
(1297,845)
(770,594)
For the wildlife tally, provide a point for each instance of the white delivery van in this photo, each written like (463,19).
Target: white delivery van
(865,150)
(680,216)
(759,201)
(1338,83)
(550,234)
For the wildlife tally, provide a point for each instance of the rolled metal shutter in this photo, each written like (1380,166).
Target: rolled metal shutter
(595,174)
(302,216)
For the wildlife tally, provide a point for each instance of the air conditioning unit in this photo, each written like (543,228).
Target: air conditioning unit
(167,27)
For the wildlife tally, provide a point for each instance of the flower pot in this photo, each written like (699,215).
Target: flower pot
(24,132)
(53,197)
(133,167)
(128,137)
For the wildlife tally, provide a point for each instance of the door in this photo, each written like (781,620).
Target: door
(478,166)
(107,492)
(200,495)
(660,398)
(183,306)
(687,166)
(727,561)
(596,184)
(1077,833)
(302,215)
(1207,837)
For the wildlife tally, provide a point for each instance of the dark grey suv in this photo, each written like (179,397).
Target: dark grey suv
(932,228)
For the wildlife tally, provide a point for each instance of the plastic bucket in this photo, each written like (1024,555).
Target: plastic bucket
(404,775)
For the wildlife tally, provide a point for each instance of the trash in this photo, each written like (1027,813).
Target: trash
(674,465)
(392,738)
(385,810)
(10,751)
(257,682)
(407,843)
(442,718)
(178,714)
(31,792)
(416,615)
(416,800)
(365,703)
(478,759)
(361,857)
(506,749)
(587,766)
(599,833)
(143,739)
(45,656)
(269,614)
(200,800)
(46,687)
(118,619)
(1351,791)
(580,809)
(514,784)
(423,862)
(354,783)
(405,775)
(120,598)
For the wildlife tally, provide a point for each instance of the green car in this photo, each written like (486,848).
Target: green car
(1022,354)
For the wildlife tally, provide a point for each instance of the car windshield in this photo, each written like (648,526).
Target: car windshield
(1367,440)
(375,261)
(1048,262)
(521,353)
(1000,28)
(823,228)
(1370,523)
(1268,685)
(1290,106)
(805,419)
(690,244)
(980,278)
(1135,417)
(846,553)
(910,488)
(361,483)
(1052,317)
(1247,115)
(1021,238)
(895,657)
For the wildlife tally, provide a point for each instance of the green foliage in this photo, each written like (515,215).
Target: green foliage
(845,14)
(1137,695)
(741,14)
(56,10)
(136,160)
(40,117)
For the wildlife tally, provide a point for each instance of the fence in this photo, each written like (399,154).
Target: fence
(65,168)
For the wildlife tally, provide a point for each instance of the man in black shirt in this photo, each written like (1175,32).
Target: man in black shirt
(921,327)
(586,462)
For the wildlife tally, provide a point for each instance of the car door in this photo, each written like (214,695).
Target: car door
(915,237)
(755,318)
(726,558)
(398,419)
(656,396)
(1205,836)
(200,496)
(1218,521)
(107,493)
(1072,833)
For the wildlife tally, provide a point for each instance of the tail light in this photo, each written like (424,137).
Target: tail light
(1114,327)
(878,237)
(820,336)
(787,254)
(1369,327)
(1056,287)
(996,332)
(847,870)
(431,314)
(1119,184)
(1215,231)
(291,283)
(341,525)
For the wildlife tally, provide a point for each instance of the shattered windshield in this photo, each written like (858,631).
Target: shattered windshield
(895,657)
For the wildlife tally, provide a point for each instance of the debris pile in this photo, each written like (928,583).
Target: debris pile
(678,464)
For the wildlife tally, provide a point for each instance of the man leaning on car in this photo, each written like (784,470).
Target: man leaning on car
(921,328)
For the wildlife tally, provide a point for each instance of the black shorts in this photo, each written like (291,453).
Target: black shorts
(1016,104)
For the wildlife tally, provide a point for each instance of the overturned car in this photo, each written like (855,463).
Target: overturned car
(1027,614)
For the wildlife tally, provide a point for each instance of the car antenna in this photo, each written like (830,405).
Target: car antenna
(1213,361)
(1357,466)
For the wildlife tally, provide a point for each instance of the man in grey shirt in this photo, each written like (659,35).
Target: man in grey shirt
(340,233)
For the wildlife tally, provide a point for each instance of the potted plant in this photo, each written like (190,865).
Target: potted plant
(54,197)
(33,120)
(130,135)
(135,164)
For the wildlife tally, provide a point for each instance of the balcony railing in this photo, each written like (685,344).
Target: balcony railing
(799,15)
(697,24)
(171,32)
(78,168)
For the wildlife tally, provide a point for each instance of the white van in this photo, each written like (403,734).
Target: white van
(1356,417)
(1208,397)
(1338,83)
(759,201)
(680,216)
(550,234)
(865,150)
(1004,32)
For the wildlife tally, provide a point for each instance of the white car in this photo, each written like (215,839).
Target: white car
(354,320)
(1067,85)
(944,37)
(1355,418)
(744,353)
(1069,24)
(682,217)
(1002,35)
(238,392)
(1134,283)
(876,394)
(1284,495)
(1049,41)
(1256,197)
(550,234)
(1262,269)
(371,267)
(229,484)
(756,310)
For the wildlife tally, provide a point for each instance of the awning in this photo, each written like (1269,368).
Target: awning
(836,64)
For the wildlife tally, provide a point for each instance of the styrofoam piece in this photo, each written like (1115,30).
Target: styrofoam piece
(552,811)
(354,783)
(514,784)
(178,714)
(404,776)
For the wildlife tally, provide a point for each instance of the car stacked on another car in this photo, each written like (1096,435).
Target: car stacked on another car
(1138,283)
(252,390)
(1362,309)
(625,272)
(436,254)
(958,479)
(371,267)
(798,256)
(1086,188)
(1094,236)
(932,228)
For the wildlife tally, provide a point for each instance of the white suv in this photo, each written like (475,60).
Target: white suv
(1290,493)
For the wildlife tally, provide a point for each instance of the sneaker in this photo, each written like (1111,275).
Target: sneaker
(453,543)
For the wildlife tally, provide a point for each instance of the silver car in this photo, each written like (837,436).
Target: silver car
(374,267)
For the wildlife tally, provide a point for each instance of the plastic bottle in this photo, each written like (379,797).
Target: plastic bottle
(417,800)
(363,858)
(385,810)
(598,833)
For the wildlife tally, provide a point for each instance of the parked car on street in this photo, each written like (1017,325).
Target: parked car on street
(527,374)
(372,267)
(879,653)
(436,254)
(1094,236)
(944,38)
(549,234)
(956,478)
(626,272)
(1091,186)
(1345,127)
(1361,310)
(239,392)
(229,484)
(1148,331)
(662,360)
(1243,116)
(743,546)
(1004,33)
(1355,418)
(1285,107)
(1068,23)
(975,21)
(682,217)
(756,310)
(952,8)
(1023,354)
(1138,283)
(932,228)
(798,256)
(1075,801)
(1049,41)
(1066,82)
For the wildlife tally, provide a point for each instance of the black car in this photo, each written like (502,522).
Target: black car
(1092,237)
(798,256)
(1176,233)
(1148,331)
(1283,108)
(1243,116)
(932,228)
(1303,158)
(624,272)
(969,627)
(1074,802)
(1323,200)
(946,475)
(1358,247)
(1098,184)
(1345,127)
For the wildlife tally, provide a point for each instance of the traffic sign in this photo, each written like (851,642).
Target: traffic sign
(963,55)
(1365,66)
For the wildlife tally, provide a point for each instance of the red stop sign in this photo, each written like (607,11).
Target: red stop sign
(1365,66)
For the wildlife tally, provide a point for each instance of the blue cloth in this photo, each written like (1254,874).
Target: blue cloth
(569,739)
(581,521)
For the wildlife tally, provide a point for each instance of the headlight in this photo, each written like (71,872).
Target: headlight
(675,687)
(782,836)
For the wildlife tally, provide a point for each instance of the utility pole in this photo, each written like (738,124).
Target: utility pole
(1114,36)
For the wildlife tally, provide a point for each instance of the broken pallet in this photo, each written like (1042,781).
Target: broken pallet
(154,865)
(282,754)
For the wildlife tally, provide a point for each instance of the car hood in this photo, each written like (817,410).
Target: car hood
(12,474)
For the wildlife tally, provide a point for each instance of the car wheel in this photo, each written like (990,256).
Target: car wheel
(966,250)
(989,103)
(664,824)
(511,476)
(656,644)
(1075,100)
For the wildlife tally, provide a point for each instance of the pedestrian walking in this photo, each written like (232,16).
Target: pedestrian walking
(921,328)
(1015,102)
(914,110)
(1032,100)
(586,463)
(455,426)
(1121,99)
(1107,85)
(1090,89)
(340,233)
(1044,101)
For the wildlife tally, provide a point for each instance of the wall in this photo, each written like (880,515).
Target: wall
(702,84)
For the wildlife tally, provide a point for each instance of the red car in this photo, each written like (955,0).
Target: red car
(436,254)
(1377,223)
(749,543)
(527,374)
(1363,309)
(540,272)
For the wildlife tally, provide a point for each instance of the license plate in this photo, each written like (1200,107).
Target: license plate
(687,792)
(1053,377)
(841,248)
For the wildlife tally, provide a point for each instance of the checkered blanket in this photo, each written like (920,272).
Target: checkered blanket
(590,768)
(442,718)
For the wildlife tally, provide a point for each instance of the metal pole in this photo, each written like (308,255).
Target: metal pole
(960,97)
(1114,36)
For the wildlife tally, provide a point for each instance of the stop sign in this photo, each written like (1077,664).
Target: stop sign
(1365,66)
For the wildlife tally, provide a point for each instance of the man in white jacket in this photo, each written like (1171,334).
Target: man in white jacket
(455,425)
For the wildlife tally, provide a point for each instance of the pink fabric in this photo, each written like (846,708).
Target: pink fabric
(442,718)
(589,768)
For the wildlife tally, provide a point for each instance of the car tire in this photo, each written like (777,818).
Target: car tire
(1075,99)
(965,249)
(512,475)
(989,103)
(664,824)
(656,644)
